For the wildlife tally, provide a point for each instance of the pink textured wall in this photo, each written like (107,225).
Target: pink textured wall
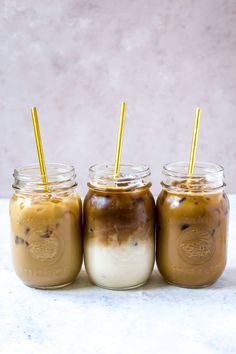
(76,61)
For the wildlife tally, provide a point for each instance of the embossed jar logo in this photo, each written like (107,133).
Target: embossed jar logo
(45,246)
(196,244)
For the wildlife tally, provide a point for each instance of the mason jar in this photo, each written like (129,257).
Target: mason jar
(46,226)
(119,236)
(192,217)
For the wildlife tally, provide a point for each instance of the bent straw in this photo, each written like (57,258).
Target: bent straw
(39,145)
(194,142)
(119,140)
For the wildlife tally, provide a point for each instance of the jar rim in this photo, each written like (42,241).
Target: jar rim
(202,169)
(27,172)
(137,169)
(130,176)
(207,177)
(59,177)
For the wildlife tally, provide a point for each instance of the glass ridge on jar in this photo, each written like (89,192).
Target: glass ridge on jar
(192,218)
(119,227)
(46,226)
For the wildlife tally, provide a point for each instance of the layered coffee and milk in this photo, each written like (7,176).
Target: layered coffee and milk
(46,237)
(192,229)
(119,234)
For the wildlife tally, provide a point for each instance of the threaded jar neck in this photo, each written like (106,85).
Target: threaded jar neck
(60,178)
(207,177)
(130,177)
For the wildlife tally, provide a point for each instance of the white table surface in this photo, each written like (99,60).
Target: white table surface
(157,318)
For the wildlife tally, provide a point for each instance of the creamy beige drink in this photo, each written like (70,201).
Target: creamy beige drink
(46,228)
(192,225)
(119,243)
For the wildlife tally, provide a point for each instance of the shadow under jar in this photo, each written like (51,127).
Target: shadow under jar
(46,226)
(192,225)
(119,227)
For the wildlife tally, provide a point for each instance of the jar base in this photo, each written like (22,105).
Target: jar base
(190,286)
(120,288)
(53,287)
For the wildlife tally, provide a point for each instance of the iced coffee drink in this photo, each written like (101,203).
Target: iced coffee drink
(46,227)
(192,218)
(119,227)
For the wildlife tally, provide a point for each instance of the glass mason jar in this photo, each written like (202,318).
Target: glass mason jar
(192,227)
(119,227)
(46,226)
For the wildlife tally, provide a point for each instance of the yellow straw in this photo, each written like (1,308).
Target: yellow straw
(119,139)
(39,145)
(194,142)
